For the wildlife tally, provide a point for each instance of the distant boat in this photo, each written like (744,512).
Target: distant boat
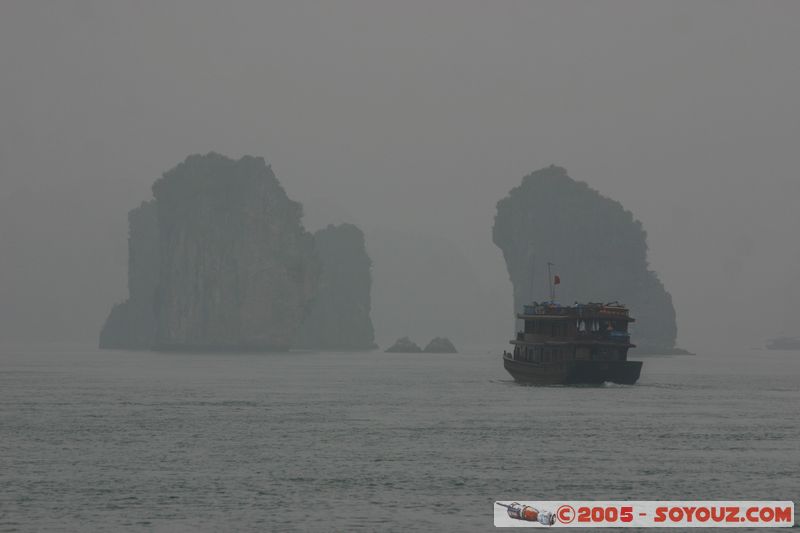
(784,343)
(583,343)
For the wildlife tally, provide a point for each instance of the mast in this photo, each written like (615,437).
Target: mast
(550,282)
(531,295)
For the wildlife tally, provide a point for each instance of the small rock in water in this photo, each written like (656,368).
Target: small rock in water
(440,345)
(404,345)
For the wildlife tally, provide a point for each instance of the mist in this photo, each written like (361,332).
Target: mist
(409,118)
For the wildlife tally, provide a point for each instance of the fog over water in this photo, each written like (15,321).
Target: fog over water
(409,118)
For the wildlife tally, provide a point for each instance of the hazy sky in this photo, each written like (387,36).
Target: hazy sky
(414,115)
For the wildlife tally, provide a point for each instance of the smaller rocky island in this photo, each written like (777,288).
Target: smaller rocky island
(404,345)
(784,343)
(440,345)
(339,316)
(437,345)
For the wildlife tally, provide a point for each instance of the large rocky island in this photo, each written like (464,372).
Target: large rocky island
(220,260)
(599,249)
(238,270)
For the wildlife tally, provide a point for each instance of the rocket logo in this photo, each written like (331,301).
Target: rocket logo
(527,513)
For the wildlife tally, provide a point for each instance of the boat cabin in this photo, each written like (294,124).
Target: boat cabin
(581,332)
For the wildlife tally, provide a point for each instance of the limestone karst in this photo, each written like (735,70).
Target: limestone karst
(238,270)
(131,324)
(339,318)
(218,260)
(598,248)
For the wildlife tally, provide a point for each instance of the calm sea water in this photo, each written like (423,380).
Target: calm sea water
(116,441)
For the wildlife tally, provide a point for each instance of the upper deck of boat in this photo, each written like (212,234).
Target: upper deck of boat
(554,311)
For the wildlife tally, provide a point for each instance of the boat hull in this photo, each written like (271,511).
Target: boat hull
(574,372)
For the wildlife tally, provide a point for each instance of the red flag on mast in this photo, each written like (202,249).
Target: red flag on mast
(556,280)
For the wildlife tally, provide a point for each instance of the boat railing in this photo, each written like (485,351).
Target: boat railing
(577,311)
(613,336)
(607,336)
